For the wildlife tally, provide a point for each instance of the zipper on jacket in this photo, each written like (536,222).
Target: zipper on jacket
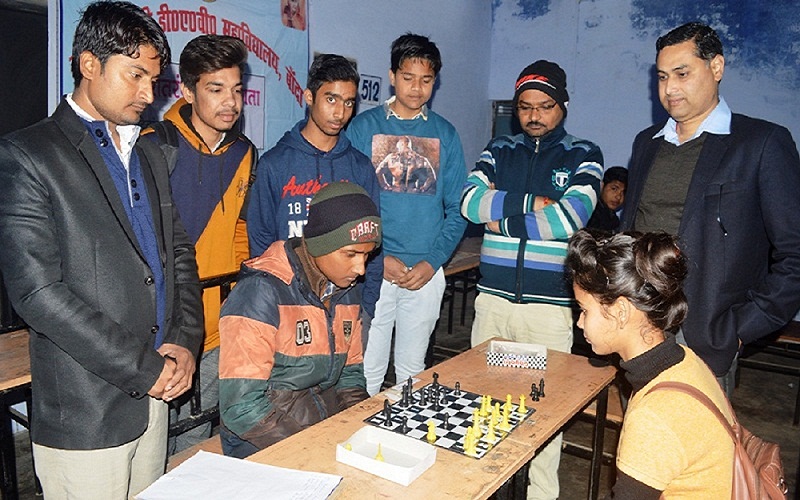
(523,241)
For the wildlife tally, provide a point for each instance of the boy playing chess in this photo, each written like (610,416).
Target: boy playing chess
(291,353)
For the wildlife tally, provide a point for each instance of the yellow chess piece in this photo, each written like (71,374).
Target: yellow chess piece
(476,425)
(379,455)
(484,405)
(505,425)
(431,437)
(508,404)
(522,410)
(469,442)
(490,435)
(496,413)
(348,447)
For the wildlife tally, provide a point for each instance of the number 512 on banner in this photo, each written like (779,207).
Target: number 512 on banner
(370,91)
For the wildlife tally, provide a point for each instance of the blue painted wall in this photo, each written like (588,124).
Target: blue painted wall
(607,48)
(461,29)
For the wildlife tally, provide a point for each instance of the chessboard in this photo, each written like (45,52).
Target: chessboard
(452,411)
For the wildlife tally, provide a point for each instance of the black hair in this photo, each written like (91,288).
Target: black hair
(210,53)
(328,68)
(410,46)
(111,28)
(705,39)
(648,269)
(616,174)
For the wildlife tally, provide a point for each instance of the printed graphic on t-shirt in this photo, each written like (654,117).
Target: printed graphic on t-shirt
(297,197)
(406,164)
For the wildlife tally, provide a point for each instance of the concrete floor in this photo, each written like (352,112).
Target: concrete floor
(764,403)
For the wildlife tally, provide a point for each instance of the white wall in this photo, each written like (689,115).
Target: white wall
(364,31)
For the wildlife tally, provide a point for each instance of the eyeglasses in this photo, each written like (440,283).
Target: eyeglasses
(542,108)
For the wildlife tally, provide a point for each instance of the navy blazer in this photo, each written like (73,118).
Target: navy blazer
(740,231)
(75,273)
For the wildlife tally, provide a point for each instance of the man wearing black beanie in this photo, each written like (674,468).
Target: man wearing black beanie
(533,191)
(279,370)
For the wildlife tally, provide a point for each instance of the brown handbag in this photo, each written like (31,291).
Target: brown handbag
(757,467)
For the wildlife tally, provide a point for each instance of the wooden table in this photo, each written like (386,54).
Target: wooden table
(571,383)
(15,382)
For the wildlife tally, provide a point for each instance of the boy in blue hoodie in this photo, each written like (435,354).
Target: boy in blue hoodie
(308,157)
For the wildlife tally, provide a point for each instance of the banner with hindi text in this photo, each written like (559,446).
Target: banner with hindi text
(273,30)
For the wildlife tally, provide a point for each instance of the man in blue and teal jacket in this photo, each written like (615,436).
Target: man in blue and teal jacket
(533,191)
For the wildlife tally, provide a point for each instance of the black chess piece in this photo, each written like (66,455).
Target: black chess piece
(435,379)
(541,387)
(457,392)
(404,399)
(447,425)
(405,425)
(435,399)
(534,392)
(423,396)
(387,413)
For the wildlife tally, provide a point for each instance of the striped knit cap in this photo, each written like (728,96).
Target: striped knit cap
(341,214)
(545,76)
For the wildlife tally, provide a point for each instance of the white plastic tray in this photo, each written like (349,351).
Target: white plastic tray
(404,459)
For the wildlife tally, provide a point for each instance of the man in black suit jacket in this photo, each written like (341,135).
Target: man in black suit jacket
(97,263)
(728,186)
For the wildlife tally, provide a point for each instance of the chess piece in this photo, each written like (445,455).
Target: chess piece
(496,413)
(541,387)
(387,413)
(508,404)
(476,425)
(423,396)
(431,437)
(405,425)
(348,447)
(522,410)
(447,425)
(469,442)
(505,424)
(435,379)
(490,435)
(379,455)
(458,389)
(534,392)
(435,399)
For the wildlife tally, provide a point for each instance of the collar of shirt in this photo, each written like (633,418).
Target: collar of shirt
(387,108)
(218,144)
(127,133)
(717,122)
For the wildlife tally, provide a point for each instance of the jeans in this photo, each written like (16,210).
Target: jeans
(412,314)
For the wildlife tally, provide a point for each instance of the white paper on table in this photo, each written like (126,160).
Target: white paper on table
(212,476)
